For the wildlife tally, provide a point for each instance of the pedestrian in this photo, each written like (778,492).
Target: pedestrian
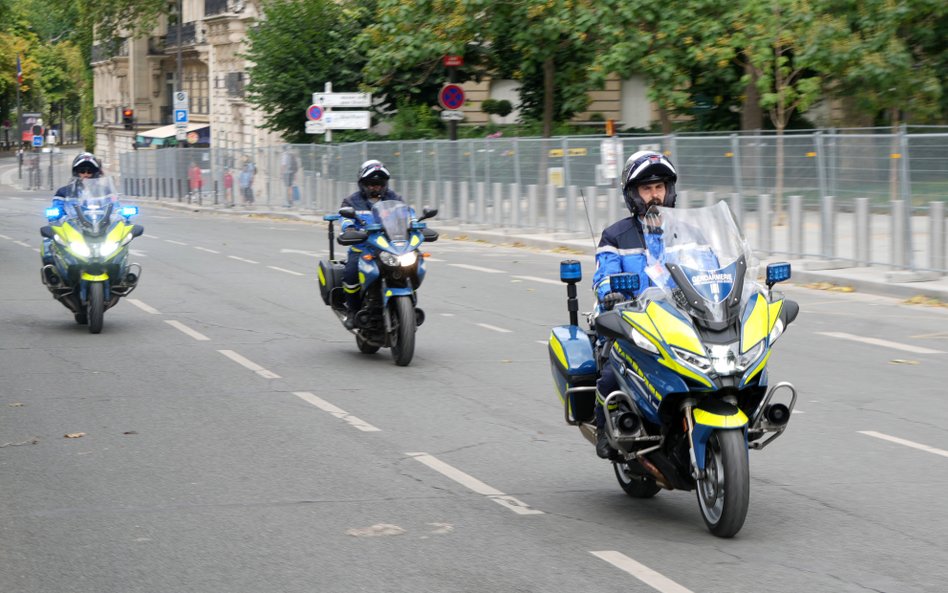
(194,180)
(245,180)
(289,165)
(228,189)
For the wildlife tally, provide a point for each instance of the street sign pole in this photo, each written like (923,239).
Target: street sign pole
(328,89)
(452,124)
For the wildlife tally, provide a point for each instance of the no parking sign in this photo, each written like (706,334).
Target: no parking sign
(451,97)
(314,112)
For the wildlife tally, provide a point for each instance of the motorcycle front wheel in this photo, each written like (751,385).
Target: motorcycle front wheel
(724,492)
(403,332)
(96,307)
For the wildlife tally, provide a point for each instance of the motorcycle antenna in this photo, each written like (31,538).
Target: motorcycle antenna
(592,234)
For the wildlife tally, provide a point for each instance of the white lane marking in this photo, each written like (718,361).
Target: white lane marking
(150,236)
(536,279)
(447,314)
(249,364)
(143,306)
(434,259)
(285,270)
(249,261)
(495,328)
(22,243)
(6,237)
(899,441)
(302,252)
(137,253)
(884,343)
(336,411)
(187,330)
(544,342)
(175,242)
(478,268)
(653,579)
(472,483)
(206,249)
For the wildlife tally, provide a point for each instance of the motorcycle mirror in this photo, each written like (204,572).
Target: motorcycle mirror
(137,230)
(347,212)
(427,212)
(47,232)
(352,237)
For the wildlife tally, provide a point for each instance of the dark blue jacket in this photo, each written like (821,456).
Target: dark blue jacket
(622,248)
(361,204)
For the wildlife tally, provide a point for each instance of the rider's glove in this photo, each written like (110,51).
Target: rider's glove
(609,301)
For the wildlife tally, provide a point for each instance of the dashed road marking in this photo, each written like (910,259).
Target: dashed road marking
(336,411)
(653,579)
(187,330)
(243,259)
(494,328)
(475,485)
(285,270)
(904,442)
(478,268)
(143,306)
(248,364)
(883,343)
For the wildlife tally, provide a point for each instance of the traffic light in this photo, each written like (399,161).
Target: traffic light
(128,118)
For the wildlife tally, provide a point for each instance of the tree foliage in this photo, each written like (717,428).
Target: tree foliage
(298,47)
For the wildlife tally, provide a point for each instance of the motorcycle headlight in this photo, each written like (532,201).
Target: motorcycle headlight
(751,356)
(642,342)
(695,360)
(777,331)
(80,248)
(108,248)
(392,260)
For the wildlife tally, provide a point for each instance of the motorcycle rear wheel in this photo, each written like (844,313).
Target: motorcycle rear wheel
(96,307)
(635,485)
(403,334)
(724,492)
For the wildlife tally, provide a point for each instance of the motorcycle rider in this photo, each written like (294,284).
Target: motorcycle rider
(85,166)
(373,187)
(648,179)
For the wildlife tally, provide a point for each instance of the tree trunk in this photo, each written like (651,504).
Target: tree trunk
(752,116)
(549,70)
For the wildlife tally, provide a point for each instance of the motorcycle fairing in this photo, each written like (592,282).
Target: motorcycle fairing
(574,364)
(757,323)
(666,328)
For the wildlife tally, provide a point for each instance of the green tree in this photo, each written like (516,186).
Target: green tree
(298,47)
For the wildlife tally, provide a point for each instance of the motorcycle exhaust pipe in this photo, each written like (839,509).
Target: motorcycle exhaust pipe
(130,278)
(777,414)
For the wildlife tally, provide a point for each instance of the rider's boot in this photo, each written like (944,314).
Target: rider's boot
(603,448)
(352,306)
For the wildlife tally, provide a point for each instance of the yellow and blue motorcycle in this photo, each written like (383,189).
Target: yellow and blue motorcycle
(689,357)
(86,251)
(391,268)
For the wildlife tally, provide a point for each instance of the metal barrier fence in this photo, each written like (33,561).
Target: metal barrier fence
(845,198)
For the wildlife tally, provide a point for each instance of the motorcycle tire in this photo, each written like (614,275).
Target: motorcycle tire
(96,307)
(724,492)
(403,334)
(364,346)
(635,485)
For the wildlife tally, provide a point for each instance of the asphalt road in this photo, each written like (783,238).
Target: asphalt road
(235,440)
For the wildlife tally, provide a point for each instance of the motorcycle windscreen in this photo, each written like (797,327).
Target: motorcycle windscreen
(713,285)
(394,216)
(96,199)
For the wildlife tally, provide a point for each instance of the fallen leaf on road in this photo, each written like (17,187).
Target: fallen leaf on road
(74,435)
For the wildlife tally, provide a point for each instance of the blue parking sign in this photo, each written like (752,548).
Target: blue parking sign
(181,116)
(37,140)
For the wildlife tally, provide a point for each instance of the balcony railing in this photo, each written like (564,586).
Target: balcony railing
(109,49)
(188,35)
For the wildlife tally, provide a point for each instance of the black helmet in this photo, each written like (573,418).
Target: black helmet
(373,171)
(86,161)
(647,166)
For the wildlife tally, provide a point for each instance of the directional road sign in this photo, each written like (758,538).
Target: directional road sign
(451,96)
(343,99)
(348,120)
(181,116)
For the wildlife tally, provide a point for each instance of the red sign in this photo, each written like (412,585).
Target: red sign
(314,112)
(451,97)
(450,60)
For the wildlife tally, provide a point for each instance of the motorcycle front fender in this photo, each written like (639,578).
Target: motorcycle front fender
(712,415)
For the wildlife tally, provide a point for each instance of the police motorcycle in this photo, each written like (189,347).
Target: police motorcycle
(690,357)
(87,246)
(391,269)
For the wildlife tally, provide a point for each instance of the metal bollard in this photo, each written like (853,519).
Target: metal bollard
(795,228)
(862,230)
(550,207)
(572,194)
(899,256)
(497,195)
(682,201)
(590,193)
(532,192)
(737,207)
(709,199)
(764,222)
(481,197)
(828,227)
(936,236)
(447,209)
(514,189)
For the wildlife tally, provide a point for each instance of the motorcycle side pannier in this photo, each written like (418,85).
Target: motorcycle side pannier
(330,276)
(574,364)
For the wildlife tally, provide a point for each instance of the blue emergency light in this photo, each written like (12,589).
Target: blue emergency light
(129,211)
(626,283)
(777,272)
(54,213)
(570,271)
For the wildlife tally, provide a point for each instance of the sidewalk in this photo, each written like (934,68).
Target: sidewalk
(873,280)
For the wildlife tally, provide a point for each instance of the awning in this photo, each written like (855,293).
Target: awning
(168,131)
